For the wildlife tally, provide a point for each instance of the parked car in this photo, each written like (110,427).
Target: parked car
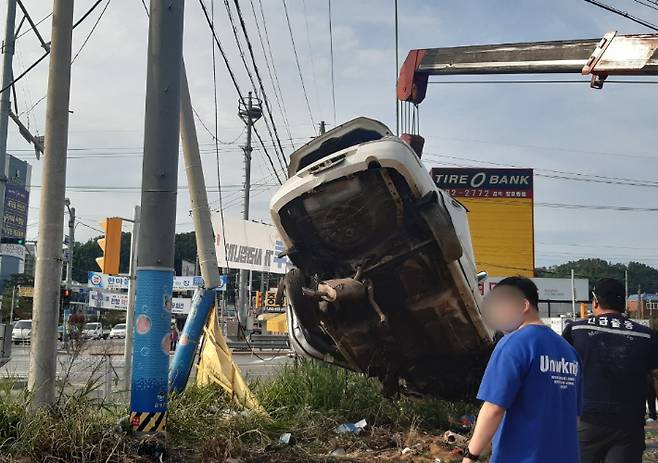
(118,331)
(385,280)
(22,331)
(92,330)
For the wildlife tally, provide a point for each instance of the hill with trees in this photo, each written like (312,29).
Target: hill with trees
(638,273)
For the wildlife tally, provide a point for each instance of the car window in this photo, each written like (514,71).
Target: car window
(120,326)
(23,324)
(91,326)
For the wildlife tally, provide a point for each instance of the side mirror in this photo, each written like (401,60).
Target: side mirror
(481,276)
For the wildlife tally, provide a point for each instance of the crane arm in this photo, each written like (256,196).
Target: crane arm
(634,55)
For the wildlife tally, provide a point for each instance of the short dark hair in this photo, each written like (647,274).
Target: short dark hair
(527,287)
(611,294)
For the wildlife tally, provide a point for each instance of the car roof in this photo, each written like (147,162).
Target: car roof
(354,132)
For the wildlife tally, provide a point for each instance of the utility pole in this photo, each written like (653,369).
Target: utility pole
(155,248)
(204,297)
(69,263)
(130,312)
(249,111)
(626,289)
(41,380)
(573,295)
(323,127)
(5,103)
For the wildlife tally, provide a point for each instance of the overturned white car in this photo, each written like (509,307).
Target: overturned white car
(385,281)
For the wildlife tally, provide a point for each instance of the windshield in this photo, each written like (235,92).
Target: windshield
(120,326)
(24,324)
(91,326)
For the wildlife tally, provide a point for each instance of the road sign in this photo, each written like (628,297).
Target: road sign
(270,300)
(25,291)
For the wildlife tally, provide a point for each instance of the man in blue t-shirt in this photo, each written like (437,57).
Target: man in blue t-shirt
(532,385)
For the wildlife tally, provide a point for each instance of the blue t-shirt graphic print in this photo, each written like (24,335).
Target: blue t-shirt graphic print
(536,376)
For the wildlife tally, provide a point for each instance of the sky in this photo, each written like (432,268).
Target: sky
(564,127)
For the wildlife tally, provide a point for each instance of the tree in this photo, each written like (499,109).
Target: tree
(85,254)
(594,269)
(22,305)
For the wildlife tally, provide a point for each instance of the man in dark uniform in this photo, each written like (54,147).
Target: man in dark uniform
(617,355)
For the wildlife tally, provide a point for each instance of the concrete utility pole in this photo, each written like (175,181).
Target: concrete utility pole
(249,111)
(45,314)
(5,102)
(204,298)
(69,263)
(155,250)
(130,312)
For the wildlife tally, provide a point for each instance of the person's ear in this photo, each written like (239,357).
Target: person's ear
(526,306)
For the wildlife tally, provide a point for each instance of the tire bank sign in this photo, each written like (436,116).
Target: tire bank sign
(500,215)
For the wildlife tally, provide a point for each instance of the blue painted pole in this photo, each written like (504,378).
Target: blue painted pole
(181,365)
(155,253)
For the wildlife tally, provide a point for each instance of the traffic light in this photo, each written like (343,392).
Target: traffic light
(65,296)
(259,299)
(111,245)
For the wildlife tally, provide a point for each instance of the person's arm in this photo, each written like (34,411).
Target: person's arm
(486,426)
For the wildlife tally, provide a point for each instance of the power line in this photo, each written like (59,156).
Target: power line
(581,176)
(251,78)
(234,81)
(42,57)
(551,148)
(648,5)
(535,81)
(299,67)
(310,52)
(93,28)
(624,14)
(35,25)
(219,176)
(331,54)
(260,82)
(271,71)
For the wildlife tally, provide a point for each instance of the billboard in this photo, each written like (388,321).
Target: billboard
(107,300)
(550,289)
(117,282)
(248,245)
(500,215)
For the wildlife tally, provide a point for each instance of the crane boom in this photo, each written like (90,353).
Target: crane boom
(633,55)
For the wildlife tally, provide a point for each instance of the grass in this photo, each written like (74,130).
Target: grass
(308,399)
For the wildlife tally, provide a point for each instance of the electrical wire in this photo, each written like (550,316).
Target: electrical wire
(551,148)
(625,14)
(251,78)
(299,67)
(310,52)
(42,57)
(535,81)
(594,177)
(648,5)
(93,28)
(234,81)
(271,71)
(36,25)
(331,55)
(216,108)
(260,82)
